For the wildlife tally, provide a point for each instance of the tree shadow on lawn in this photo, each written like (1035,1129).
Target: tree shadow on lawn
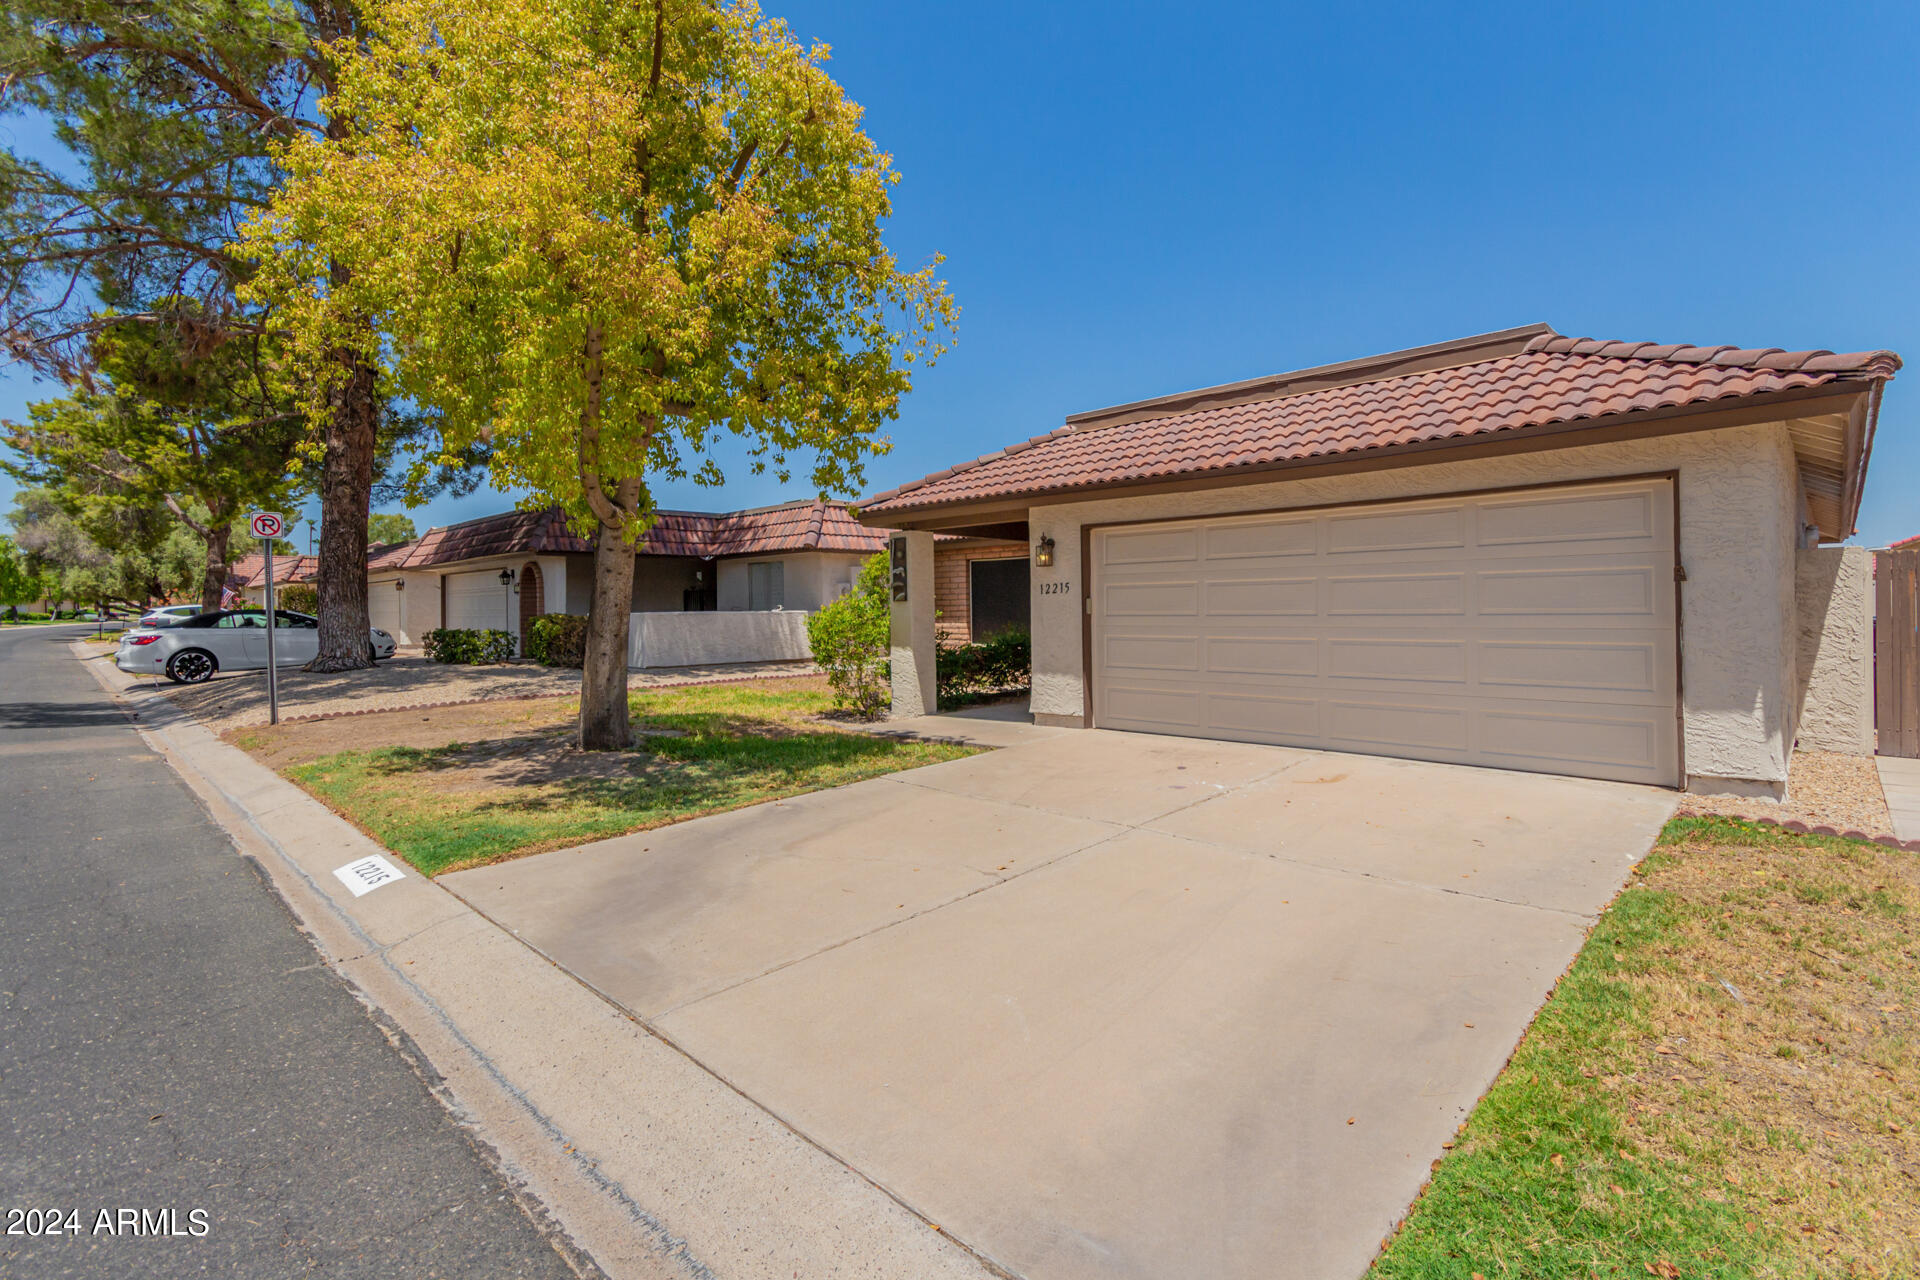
(547,770)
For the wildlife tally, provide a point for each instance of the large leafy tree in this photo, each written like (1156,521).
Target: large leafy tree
(601,235)
(19,582)
(123,555)
(203,434)
(170,112)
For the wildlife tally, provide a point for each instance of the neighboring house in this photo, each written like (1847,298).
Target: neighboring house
(1516,549)
(502,571)
(248,577)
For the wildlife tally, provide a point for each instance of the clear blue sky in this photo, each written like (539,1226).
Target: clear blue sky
(1136,199)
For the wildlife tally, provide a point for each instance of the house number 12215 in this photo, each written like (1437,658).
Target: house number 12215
(1054,588)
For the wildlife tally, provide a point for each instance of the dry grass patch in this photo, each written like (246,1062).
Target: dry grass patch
(1725,1084)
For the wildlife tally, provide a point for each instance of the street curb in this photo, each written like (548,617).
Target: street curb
(651,1164)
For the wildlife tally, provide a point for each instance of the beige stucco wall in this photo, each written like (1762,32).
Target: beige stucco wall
(1739,499)
(811,579)
(1834,589)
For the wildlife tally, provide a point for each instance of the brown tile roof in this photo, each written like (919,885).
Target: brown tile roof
(1540,381)
(792,526)
(251,570)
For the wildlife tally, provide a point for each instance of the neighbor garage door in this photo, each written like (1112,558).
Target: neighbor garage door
(476,601)
(383,605)
(1528,629)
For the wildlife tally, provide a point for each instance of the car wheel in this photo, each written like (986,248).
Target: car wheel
(373,654)
(191,666)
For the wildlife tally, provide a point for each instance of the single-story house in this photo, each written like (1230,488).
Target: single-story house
(502,571)
(1516,549)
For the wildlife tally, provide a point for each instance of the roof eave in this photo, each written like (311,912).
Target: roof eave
(1706,415)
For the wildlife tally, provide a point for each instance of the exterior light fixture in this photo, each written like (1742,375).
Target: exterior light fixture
(399,584)
(506,577)
(1043,551)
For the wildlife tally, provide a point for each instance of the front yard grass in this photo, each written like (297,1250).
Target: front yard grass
(1725,1084)
(698,750)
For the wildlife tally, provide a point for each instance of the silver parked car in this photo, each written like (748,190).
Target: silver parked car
(168,615)
(194,648)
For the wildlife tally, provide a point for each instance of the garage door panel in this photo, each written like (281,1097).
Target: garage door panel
(1158,710)
(1590,740)
(1429,660)
(1627,591)
(1391,595)
(1405,727)
(1281,538)
(1263,718)
(1394,529)
(1626,517)
(1153,653)
(1154,546)
(1263,655)
(1151,599)
(1574,666)
(1542,638)
(1263,597)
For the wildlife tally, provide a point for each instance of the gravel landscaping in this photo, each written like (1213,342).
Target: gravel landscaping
(1824,788)
(239,700)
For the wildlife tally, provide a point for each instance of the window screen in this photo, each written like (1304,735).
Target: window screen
(767,586)
(997,596)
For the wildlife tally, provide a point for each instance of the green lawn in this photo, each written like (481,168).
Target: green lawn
(1724,1085)
(721,747)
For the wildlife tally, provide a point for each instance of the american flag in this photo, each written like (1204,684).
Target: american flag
(230,597)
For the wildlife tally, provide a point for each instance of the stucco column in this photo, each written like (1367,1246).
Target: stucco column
(912,629)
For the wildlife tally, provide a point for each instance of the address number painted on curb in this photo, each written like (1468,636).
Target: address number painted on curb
(367,874)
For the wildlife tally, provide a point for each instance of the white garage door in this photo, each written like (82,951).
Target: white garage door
(1525,629)
(476,601)
(383,605)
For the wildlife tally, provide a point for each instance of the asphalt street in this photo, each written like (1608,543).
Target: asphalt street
(169,1041)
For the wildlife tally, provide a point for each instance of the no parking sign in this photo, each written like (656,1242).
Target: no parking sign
(266,526)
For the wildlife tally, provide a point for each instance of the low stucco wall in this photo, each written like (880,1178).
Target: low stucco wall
(1739,524)
(695,639)
(1834,589)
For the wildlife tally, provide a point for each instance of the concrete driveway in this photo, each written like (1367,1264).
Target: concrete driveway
(1109,1005)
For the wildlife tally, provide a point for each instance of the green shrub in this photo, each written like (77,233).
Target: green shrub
(300,597)
(968,672)
(850,642)
(468,648)
(558,640)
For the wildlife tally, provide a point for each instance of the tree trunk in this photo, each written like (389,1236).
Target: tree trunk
(213,584)
(346,497)
(603,685)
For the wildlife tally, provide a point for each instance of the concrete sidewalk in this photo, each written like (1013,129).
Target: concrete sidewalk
(652,1164)
(1900,781)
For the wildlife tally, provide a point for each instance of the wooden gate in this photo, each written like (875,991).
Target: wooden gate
(1896,651)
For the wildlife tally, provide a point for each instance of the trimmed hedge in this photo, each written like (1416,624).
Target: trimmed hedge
(468,648)
(968,672)
(299,597)
(558,640)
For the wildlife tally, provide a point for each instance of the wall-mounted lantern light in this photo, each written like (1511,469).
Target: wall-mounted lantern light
(506,577)
(399,584)
(1043,551)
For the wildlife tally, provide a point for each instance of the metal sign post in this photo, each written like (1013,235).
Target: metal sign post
(266,526)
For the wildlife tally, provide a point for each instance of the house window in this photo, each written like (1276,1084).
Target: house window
(997,596)
(767,585)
